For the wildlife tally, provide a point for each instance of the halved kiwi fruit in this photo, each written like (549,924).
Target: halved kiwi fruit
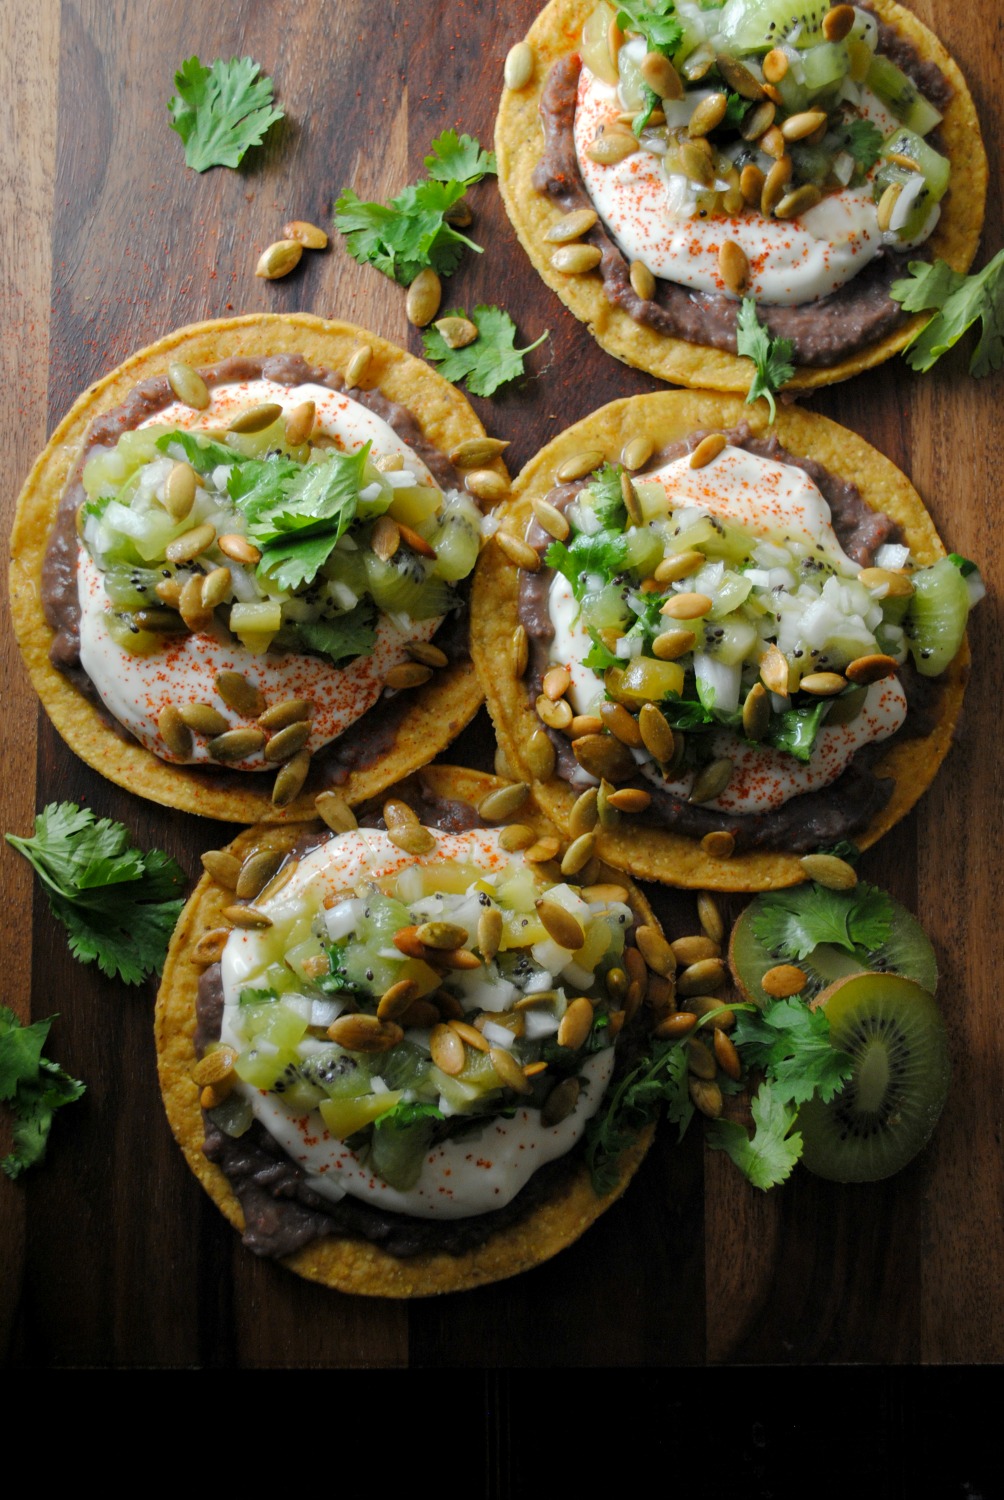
(889,1107)
(907,950)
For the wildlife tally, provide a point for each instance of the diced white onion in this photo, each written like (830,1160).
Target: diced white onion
(892,555)
(498,1036)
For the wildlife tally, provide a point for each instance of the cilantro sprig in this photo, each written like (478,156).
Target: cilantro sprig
(411,232)
(490,361)
(33,1086)
(221,111)
(656,22)
(771,357)
(958,302)
(658,1082)
(118,905)
(792,923)
(862,140)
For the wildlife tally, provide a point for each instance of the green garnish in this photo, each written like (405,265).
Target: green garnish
(791,1044)
(343,638)
(34,1088)
(959,301)
(118,904)
(641,119)
(604,553)
(221,110)
(410,233)
(791,923)
(251,996)
(656,22)
(864,141)
(735,108)
(965,565)
(658,1082)
(297,513)
(491,360)
(772,357)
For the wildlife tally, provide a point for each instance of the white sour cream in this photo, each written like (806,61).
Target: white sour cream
(474,1174)
(776,502)
(646,209)
(135,689)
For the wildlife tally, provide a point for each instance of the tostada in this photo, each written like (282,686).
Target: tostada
(726,645)
(383,1061)
(240,555)
(661,162)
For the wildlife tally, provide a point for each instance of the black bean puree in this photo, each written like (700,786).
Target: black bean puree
(807,822)
(369,738)
(282,1212)
(823,332)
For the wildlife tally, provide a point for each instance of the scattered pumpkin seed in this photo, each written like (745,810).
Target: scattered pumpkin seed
(456,333)
(175,733)
(499,805)
(798,202)
(636,453)
(474,452)
(358,365)
(540,756)
(413,840)
(520,651)
(519,66)
(603,756)
(576,260)
(362,1033)
(256,418)
(279,259)
(428,654)
(423,299)
(289,711)
(709,447)
(576,1024)
(827,869)
(179,491)
(756,711)
(210,946)
(516,836)
(239,549)
(551,519)
(310,236)
(822,684)
(719,844)
(572,226)
(287,742)
(407,674)
(578,854)
(188,385)
(487,484)
(247,916)
(235,744)
(335,812)
(223,866)
(187,547)
(256,872)
(711,780)
(289,782)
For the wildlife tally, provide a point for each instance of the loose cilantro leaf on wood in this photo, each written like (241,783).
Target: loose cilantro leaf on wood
(767,1158)
(490,361)
(772,357)
(791,923)
(118,904)
(960,300)
(33,1086)
(791,1043)
(459,159)
(657,23)
(863,141)
(410,233)
(221,110)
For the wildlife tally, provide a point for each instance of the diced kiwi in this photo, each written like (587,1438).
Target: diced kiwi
(936,620)
(888,1109)
(902,95)
(398,1151)
(906,951)
(758,25)
(344,1116)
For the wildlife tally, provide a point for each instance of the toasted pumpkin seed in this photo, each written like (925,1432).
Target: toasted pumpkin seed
(700,1059)
(636,453)
(560,924)
(516,836)
(256,872)
(247,916)
(239,549)
(499,805)
(584,724)
(188,385)
(583,816)
(555,714)
(631,799)
(489,932)
(428,654)
(358,366)
(759,120)
(560,1102)
(175,733)
(719,844)
(671,644)
(363,1033)
(784,980)
(187,547)
(894,585)
(709,447)
(576,1024)
(215,1067)
(631,502)
(706,1096)
(290,711)
(487,484)
(210,946)
(606,813)
(774,184)
(822,684)
(310,236)
(335,811)
(827,869)
(751,181)
(413,840)
(656,733)
(572,226)
(643,284)
(798,202)
(838,22)
(655,950)
(542,850)
(621,724)
(775,673)
(739,78)
(169,591)
(190,605)
(215,587)
(179,491)
(519,66)
(407,674)
(256,418)
(439,934)
(289,782)
(603,756)
(385,537)
(701,977)
(551,519)
(678,1023)
(734,269)
(457,333)
(696,165)
(223,866)
(423,299)
(578,854)
(680,565)
(756,711)
(287,742)
(519,553)
(775,65)
(708,115)
(687,606)
(509,1071)
(395,1001)
(235,744)
(689,950)
(474,452)
(710,917)
(447,1050)
(576,260)
(520,651)
(579,465)
(540,756)
(868,669)
(711,780)
(279,259)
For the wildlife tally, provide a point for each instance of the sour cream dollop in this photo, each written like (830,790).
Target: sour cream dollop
(136,689)
(475,1173)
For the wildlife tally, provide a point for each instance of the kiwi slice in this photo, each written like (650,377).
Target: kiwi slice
(887,1110)
(905,947)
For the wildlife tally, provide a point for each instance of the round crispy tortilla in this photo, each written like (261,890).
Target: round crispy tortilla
(352,1265)
(665,417)
(446,704)
(519,145)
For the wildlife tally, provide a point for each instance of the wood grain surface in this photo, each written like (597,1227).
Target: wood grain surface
(111,1253)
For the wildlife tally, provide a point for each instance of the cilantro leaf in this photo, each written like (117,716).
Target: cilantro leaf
(735,108)
(411,232)
(119,906)
(658,1081)
(459,159)
(490,361)
(201,452)
(221,110)
(862,140)
(795,730)
(685,713)
(772,357)
(959,301)
(603,494)
(297,514)
(775,1147)
(650,102)
(791,923)
(33,1086)
(343,638)
(656,22)
(604,553)
(600,658)
(791,1043)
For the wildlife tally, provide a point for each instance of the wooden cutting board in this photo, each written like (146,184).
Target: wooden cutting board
(111,1253)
